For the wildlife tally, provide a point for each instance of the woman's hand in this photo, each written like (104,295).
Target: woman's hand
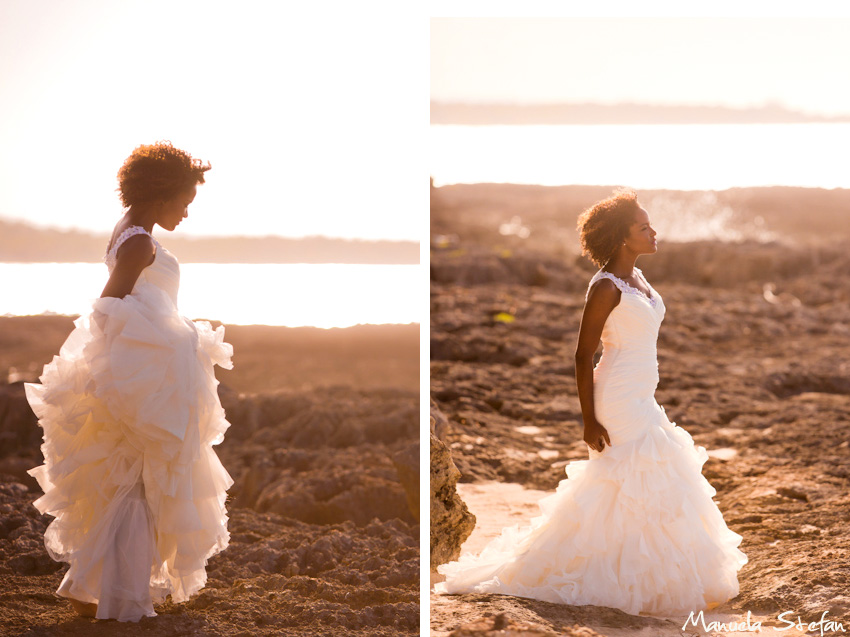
(595,435)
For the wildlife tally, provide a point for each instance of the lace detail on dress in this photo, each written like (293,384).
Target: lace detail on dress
(623,286)
(111,255)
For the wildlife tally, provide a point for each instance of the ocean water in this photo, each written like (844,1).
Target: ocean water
(676,157)
(293,295)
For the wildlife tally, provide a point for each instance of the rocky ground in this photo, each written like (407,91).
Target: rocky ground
(753,357)
(324,536)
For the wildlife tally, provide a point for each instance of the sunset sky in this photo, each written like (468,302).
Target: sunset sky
(740,61)
(307,111)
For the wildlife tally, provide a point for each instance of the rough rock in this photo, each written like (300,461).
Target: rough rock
(503,626)
(18,425)
(322,457)
(323,538)
(439,423)
(406,463)
(278,576)
(451,521)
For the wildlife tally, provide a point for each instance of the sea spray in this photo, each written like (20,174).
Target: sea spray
(702,217)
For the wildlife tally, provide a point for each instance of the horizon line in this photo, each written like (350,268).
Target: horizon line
(774,111)
(181,235)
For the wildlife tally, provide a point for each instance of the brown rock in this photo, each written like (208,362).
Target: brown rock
(319,448)
(451,521)
(439,423)
(325,456)
(19,430)
(503,626)
(406,463)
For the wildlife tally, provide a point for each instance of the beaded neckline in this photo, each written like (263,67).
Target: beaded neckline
(625,286)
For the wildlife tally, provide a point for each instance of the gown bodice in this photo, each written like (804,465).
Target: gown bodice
(163,274)
(634,323)
(626,376)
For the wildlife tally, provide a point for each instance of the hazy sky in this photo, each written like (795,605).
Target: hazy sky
(799,62)
(307,111)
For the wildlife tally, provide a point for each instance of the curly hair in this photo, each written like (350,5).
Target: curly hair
(604,226)
(158,172)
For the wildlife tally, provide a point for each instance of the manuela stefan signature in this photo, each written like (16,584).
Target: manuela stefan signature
(823,625)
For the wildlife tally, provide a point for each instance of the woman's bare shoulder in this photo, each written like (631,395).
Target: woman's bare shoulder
(605,287)
(603,296)
(137,249)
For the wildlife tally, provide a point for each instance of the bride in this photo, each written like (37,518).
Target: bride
(634,527)
(130,414)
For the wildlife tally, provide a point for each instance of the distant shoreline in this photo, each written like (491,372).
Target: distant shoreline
(494,114)
(21,242)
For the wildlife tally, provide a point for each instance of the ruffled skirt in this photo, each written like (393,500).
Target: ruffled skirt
(130,413)
(634,528)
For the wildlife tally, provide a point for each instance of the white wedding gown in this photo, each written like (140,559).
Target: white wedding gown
(634,527)
(130,413)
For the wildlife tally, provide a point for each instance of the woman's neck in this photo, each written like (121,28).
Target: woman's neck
(622,264)
(142,216)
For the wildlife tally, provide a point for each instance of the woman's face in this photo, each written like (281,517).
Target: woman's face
(641,237)
(173,211)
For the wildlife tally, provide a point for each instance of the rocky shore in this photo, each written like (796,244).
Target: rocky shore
(323,512)
(753,359)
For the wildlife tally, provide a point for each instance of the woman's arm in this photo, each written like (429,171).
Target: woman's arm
(134,255)
(602,298)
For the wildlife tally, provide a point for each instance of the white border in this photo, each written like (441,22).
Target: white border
(642,9)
